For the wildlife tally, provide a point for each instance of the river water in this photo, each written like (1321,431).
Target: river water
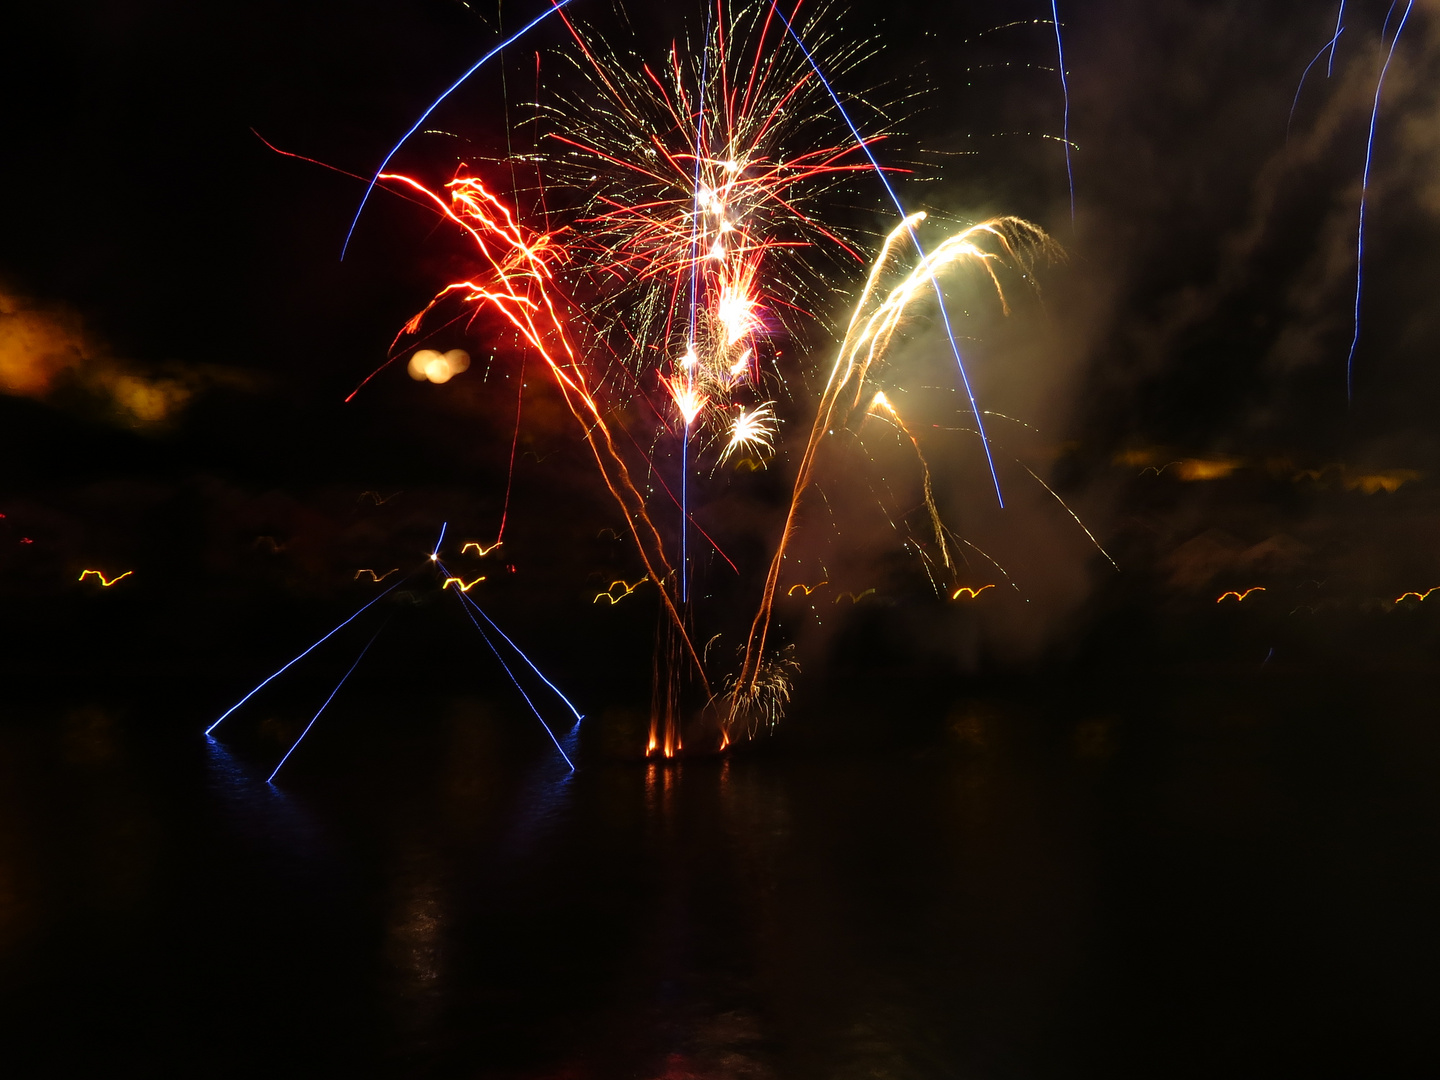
(1207,874)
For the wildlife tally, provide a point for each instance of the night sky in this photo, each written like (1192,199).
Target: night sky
(178,406)
(197,332)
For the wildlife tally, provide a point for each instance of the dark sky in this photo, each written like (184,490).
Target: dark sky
(1203,313)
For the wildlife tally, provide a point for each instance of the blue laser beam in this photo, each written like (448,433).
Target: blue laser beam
(555,6)
(1065,89)
(322,708)
(915,239)
(516,683)
(1364,192)
(306,653)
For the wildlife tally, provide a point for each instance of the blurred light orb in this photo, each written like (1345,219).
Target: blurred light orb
(437,367)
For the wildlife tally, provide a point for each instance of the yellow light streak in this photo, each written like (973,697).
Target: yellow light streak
(808,588)
(106,583)
(377,578)
(609,594)
(973,592)
(874,321)
(1418,596)
(480,549)
(464,586)
(1239,595)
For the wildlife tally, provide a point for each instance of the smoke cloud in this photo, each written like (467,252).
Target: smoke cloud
(47,354)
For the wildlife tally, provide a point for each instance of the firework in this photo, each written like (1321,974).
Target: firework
(677,232)
(752,431)
(873,324)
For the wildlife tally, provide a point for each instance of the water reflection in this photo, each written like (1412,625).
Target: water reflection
(1024,890)
(263,813)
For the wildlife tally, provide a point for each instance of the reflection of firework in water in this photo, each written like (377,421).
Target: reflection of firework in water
(692,233)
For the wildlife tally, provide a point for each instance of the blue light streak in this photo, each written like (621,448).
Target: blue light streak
(694,302)
(520,653)
(1065,88)
(1364,192)
(516,683)
(435,555)
(306,653)
(1339,29)
(271,777)
(1328,45)
(939,295)
(555,6)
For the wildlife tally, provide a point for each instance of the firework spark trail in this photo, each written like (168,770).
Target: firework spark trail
(486,638)
(1054,495)
(1065,89)
(1364,192)
(882,402)
(759,629)
(867,337)
(523,269)
(915,239)
(510,473)
(555,5)
(271,778)
(306,653)
(1295,104)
